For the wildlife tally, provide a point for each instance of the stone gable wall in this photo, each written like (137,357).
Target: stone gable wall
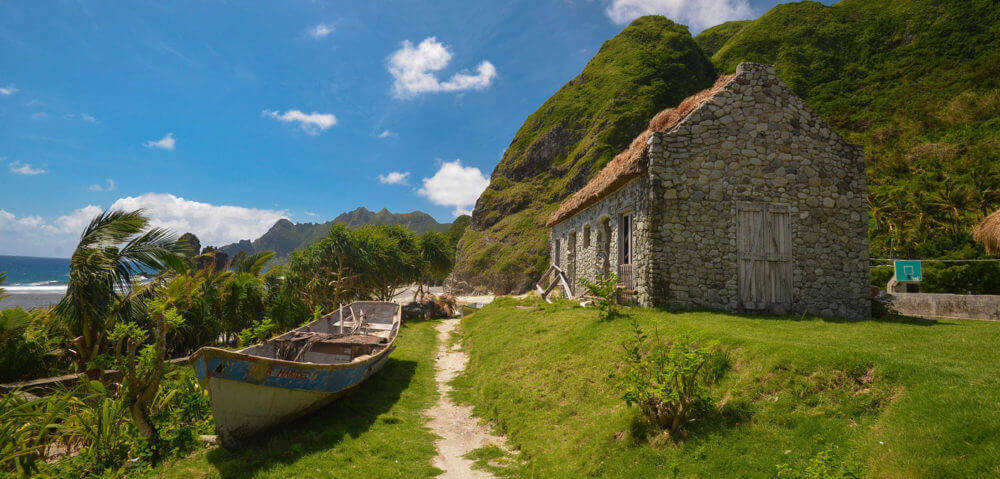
(634,197)
(756,141)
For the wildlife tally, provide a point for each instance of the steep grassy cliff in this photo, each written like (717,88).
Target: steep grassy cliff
(652,64)
(916,82)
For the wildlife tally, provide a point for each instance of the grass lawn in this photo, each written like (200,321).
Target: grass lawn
(376,431)
(893,399)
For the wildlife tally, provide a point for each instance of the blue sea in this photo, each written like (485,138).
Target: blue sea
(33,282)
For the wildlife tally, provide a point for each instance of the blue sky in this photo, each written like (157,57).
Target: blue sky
(221,116)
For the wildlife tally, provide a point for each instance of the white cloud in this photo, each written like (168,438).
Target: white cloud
(111,186)
(39,115)
(310,213)
(413,68)
(311,123)
(165,143)
(213,224)
(87,118)
(455,185)
(33,236)
(394,178)
(697,14)
(8,90)
(386,134)
(320,31)
(25,169)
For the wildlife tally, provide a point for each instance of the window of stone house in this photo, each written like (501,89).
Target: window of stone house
(558,252)
(625,238)
(586,236)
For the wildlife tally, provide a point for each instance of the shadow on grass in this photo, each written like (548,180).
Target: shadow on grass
(350,415)
(890,318)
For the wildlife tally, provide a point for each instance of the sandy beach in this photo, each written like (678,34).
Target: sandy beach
(31,299)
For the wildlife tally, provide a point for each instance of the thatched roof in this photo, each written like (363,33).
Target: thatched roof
(988,233)
(632,162)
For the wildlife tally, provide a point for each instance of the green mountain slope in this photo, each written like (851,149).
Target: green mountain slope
(712,39)
(652,64)
(285,236)
(917,83)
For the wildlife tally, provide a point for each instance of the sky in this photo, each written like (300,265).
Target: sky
(221,117)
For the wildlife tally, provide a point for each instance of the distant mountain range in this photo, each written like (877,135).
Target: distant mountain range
(285,236)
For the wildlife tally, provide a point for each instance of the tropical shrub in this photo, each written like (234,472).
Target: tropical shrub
(258,331)
(823,465)
(668,381)
(140,353)
(605,294)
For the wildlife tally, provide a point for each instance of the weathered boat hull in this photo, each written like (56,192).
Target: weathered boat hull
(251,393)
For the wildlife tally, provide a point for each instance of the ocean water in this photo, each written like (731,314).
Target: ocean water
(33,282)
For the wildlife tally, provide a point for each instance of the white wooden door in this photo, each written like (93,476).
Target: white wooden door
(764,252)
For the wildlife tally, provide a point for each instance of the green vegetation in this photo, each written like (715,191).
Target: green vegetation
(285,237)
(667,379)
(87,421)
(652,64)
(113,248)
(917,83)
(111,319)
(376,431)
(29,343)
(605,295)
(712,39)
(902,398)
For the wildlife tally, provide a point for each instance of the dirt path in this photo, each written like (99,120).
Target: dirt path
(460,431)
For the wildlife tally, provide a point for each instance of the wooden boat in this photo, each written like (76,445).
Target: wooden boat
(297,372)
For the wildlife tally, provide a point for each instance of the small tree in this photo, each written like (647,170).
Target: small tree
(667,381)
(605,294)
(438,258)
(141,362)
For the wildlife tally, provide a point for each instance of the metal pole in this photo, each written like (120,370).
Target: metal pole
(341,318)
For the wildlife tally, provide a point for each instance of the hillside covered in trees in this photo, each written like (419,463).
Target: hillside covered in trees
(285,236)
(915,82)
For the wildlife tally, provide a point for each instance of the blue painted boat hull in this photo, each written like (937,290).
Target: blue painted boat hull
(251,393)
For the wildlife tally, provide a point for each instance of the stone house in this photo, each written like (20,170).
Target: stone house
(739,199)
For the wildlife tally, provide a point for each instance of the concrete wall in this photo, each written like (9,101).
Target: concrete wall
(756,141)
(953,306)
(632,197)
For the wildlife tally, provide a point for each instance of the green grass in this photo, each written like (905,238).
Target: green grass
(376,431)
(881,398)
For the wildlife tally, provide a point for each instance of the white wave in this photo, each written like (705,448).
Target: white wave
(35,289)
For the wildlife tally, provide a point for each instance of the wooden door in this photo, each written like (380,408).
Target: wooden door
(764,252)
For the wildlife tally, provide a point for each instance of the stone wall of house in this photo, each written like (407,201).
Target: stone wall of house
(590,253)
(756,141)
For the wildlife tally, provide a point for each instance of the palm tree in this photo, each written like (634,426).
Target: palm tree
(114,247)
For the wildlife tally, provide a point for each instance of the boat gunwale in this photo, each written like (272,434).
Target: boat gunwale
(214,351)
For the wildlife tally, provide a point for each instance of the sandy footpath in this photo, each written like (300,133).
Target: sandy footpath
(460,432)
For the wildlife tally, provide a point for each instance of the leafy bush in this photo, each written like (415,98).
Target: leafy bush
(605,295)
(258,331)
(669,381)
(821,466)
(91,420)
